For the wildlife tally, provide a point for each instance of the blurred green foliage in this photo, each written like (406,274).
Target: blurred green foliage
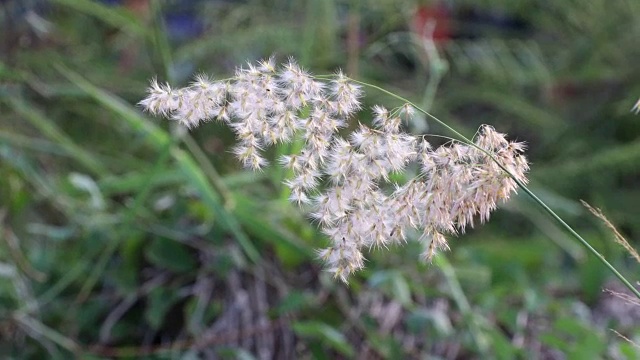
(127,237)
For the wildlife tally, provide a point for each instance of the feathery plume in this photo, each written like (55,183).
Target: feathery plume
(262,105)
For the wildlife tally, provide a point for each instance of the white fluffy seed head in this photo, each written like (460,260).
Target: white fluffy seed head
(161,100)
(264,105)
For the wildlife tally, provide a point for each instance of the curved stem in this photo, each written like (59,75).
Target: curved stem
(520,184)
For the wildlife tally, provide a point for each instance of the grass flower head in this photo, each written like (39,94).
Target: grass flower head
(262,104)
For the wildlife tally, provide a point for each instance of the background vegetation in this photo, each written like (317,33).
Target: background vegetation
(124,236)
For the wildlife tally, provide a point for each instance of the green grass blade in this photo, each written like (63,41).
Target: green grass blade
(132,182)
(31,143)
(197,178)
(117,17)
(621,159)
(264,229)
(160,41)
(159,139)
(479,337)
(50,130)
(125,228)
(529,113)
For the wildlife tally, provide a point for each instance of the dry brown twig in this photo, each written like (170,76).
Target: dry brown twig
(617,236)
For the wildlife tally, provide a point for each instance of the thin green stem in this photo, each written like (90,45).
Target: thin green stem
(520,184)
(582,241)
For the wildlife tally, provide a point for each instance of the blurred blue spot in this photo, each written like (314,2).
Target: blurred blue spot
(181,20)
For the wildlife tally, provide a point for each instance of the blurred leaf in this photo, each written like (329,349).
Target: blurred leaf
(54,233)
(474,277)
(273,35)
(551,228)
(621,159)
(592,279)
(320,33)
(169,254)
(199,313)
(235,354)
(132,181)
(505,60)
(418,321)
(386,346)
(125,277)
(161,140)
(50,130)
(294,302)
(86,183)
(32,143)
(289,248)
(575,339)
(329,335)
(118,17)
(631,351)
(160,300)
(394,283)
(40,183)
(501,346)
(513,104)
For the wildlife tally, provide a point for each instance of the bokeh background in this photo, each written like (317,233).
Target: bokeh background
(125,236)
